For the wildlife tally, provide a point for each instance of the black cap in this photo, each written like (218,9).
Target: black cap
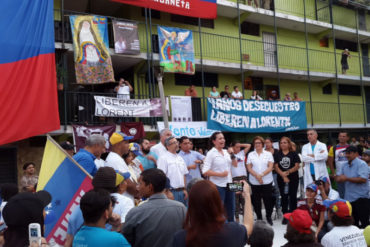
(67,145)
(352,149)
(25,208)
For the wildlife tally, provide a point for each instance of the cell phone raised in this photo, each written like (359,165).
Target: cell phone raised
(235,187)
(34,234)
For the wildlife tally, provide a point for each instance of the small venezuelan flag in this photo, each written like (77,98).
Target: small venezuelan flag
(67,182)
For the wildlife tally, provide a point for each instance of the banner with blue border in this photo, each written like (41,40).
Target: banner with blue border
(255,116)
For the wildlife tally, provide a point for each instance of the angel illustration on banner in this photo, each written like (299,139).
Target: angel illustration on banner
(176,47)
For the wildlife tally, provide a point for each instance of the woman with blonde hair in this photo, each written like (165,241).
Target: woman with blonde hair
(286,165)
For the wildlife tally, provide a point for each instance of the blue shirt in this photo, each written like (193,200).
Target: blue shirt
(312,167)
(147,164)
(190,159)
(96,237)
(353,191)
(86,160)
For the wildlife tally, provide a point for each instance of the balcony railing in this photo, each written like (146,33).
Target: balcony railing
(79,108)
(227,49)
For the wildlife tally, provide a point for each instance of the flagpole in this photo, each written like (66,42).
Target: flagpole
(69,156)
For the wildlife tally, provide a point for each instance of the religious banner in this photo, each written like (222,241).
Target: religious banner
(256,116)
(176,50)
(93,63)
(126,38)
(181,109)
(114,107)
(189,129)
(81,133)
(206,9)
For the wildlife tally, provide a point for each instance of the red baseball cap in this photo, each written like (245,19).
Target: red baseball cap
(300,220)
(341,208)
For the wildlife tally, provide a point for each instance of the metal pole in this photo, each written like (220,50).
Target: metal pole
(147,51)
(201,69)
(308,60)
(151,53)
(335,59)
(277,56)
(240,47)
(359,64)
(163,100)
(315,9)
(62,17)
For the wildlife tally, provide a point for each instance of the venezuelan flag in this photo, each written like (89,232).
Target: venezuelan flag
(66,181)
(28,89)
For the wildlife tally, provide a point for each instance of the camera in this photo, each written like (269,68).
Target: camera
(232,156)
(318,182)
(235,187)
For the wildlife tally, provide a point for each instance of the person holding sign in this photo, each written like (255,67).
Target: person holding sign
(260,164)
(217,165)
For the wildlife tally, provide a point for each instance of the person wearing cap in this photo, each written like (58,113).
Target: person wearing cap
(326,192)
(343,233)
(299,232)
(154,222)
(20,211)
(148,159)
(29,179)
(68,147)
(160,148)
(108,179)
(97,207)
(314,156)
(337,158)
(95,146)
(175,169)
(314,207)
(135,163)
(120,146)
(367,235)
(355,175)
(274,95)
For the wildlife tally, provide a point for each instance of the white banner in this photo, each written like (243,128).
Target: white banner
(114,107)
(181,109)
(189,129)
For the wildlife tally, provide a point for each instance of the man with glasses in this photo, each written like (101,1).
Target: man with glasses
(175,169)
(192,159)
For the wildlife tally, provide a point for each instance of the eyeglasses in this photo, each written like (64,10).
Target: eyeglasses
(257,143)
(171,143)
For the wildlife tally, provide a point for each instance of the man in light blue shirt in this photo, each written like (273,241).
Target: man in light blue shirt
(192,159)
(149,158)
(96,207)
(355,174)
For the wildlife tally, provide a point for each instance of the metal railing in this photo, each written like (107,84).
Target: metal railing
(79,108)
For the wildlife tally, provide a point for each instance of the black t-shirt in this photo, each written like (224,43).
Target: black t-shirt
(286,162)
(225,94)
(232,235)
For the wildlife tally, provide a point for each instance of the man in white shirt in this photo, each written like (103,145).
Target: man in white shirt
(159,148)
(343,233)
(124,204)
(236,94)
(175,169)
(123,89)
(120,146)
(314,156)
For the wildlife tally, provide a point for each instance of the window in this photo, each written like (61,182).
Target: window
(193,21)
(250,28)
(155,13)
(344,44)
(210,79)
(350,90)
(327,89)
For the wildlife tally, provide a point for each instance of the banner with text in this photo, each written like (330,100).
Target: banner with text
(256,116)
(189,129)
(181,109)
(114,107)
(81,133)
(126,38)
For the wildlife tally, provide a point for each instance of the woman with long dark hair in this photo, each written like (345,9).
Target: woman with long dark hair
(205,223)
(286,165)
(217,166)
(260,164)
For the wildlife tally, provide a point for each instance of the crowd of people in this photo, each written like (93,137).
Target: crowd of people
(169,194)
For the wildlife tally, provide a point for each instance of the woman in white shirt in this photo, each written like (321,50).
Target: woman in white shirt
(260,164)
(217,166)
